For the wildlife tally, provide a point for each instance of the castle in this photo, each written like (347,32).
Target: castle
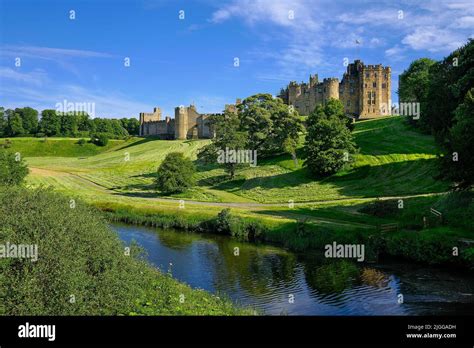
(187,124)
(365,91)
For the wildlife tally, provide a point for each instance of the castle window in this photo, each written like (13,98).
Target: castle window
(367,75)
(375,75)
(365,85)
(385,77)
(352,90)
(324,89)
(384,85)
(374,84)
(348,103)
(371,98)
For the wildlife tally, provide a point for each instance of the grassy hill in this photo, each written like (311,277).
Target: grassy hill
(57,147)
(394,160)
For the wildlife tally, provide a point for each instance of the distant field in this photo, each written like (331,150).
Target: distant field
(393,161)
(57,147)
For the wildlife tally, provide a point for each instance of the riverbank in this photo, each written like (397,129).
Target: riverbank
(82,267)
(439,245)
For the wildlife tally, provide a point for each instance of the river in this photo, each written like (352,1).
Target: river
(279,282)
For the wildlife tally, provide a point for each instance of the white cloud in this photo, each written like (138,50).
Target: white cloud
(465,22)
(433,39)
(50,53)
(297,14)
(36,77)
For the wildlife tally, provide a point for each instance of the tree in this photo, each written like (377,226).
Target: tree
(29,118)
(50,123)
(228,137)
(175,174)
(132,125)
(414,83)
(69,127)
(458,162)
(3,122)
(415,80)
(268,122)
(328,144)
(13,169)
(14,126)
(450,80)
(334,107)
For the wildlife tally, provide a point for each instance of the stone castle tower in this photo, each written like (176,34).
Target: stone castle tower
(365,91)
(187,124)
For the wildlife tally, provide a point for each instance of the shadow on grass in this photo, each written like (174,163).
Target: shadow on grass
(139,142)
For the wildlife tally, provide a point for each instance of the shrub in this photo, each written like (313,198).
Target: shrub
(175,174)
(81,142)
(246,230)
(13,170)
(100,139)
(7,144)
(381,208)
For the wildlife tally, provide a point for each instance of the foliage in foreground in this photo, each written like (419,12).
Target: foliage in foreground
(82,267)
(13,169)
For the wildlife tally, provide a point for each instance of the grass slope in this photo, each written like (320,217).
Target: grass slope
(57,147)
(393,161)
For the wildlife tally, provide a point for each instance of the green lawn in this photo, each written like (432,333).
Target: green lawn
(57,147)
(393,161)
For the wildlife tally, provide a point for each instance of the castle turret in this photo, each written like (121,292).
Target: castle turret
(331,88)
(181,122)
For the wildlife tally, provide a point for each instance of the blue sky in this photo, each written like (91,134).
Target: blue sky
(177,61)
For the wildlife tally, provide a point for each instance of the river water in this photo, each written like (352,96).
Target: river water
(276,281)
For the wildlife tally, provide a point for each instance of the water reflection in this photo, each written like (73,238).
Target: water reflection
(280,282)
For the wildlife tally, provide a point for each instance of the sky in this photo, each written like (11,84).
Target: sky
(186,52)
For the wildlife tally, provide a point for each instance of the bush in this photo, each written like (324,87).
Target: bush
(7,144)
(175,174)
(81,142)
(100,139)
(13,170)
(246,230)
(382,208)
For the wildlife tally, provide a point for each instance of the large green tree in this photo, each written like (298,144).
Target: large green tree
(415,80)
(413,86)
(458,162)
(175,174)
(268,122)
(450,80)
(328,144)
(29,118)
(228,136)
(69,126)
(3,122)
(14,124)
(50,123)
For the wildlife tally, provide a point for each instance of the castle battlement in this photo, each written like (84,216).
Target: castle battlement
(187,123)
(363,90)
